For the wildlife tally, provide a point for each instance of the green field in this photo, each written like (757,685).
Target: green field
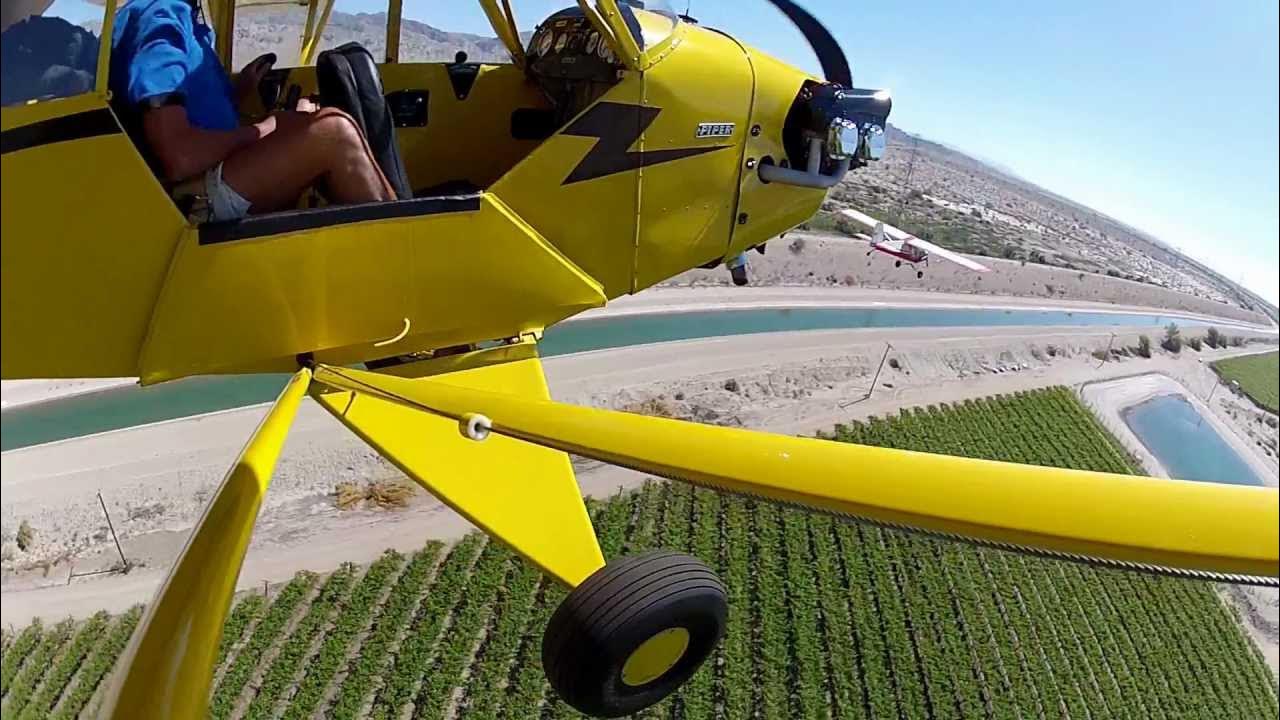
(827,618)
(1258,375)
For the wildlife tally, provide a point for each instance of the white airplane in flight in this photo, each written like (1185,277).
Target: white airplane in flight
(905,246)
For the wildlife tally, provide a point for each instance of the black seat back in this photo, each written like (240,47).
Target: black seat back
(348,80)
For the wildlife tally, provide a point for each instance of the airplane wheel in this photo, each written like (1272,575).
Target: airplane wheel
(633,632)
(919,274)
(897,263)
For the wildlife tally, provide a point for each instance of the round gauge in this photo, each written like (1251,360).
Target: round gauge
(562,41)
(592,42)
(544,43)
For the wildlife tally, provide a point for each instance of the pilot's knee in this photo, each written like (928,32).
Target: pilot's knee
(337,126)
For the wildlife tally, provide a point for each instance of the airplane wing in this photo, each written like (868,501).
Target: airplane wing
(894,233)
(1189,529)
(945,254)
(875,225)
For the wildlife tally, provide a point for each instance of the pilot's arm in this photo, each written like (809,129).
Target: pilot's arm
(185,150)
(156,78)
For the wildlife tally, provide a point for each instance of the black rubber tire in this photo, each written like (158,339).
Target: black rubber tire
(897,263)
(919,274)
(615,610)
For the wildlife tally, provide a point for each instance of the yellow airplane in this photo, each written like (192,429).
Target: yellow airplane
(619,147)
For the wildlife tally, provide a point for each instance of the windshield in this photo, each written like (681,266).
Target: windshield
(437,32)
(655,20)
(277,28)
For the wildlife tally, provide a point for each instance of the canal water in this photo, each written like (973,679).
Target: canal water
(1185,443)
(131,406)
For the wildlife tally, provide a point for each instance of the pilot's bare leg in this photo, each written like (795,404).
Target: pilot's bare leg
(324,148)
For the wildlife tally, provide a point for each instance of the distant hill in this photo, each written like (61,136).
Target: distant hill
(278,29)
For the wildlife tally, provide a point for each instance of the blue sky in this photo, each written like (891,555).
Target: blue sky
(1161,114)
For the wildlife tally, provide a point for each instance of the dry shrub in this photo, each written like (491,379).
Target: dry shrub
(653,407)
(381,493)
(26,536)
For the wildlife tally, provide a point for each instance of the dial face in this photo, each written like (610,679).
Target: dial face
(544,43)
(592,42)
(562,41)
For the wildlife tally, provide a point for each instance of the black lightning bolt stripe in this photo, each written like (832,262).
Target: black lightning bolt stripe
(618,126)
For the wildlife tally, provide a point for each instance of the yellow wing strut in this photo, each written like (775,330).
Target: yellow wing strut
(1186,528)
(629,50)
(503,23)
(168,667)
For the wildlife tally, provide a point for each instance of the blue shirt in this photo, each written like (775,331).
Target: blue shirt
(158,47)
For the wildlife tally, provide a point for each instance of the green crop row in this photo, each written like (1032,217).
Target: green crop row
(414,653)
(245,612)
(454,648)
(389,626)
(16,655)
(486,689)
(279,676)
(98,664)
(265,634)
(33,670)
(353,617)
(59,674)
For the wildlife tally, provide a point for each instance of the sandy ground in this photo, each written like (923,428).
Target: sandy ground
(814,259)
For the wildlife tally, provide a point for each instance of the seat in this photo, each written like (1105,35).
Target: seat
(348,79)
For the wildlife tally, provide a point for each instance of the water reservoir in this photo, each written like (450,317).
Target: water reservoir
(1186,444)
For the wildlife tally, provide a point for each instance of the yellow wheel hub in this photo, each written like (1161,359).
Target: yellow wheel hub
(655,656)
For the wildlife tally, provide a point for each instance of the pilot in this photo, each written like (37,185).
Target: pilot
(184,106)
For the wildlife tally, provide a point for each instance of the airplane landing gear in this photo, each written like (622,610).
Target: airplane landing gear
(897,263)
(919,274)
(633,632)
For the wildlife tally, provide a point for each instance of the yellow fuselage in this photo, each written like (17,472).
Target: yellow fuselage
(103,276)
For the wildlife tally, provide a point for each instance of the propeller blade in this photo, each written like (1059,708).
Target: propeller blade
(834,64)
(1189,529)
